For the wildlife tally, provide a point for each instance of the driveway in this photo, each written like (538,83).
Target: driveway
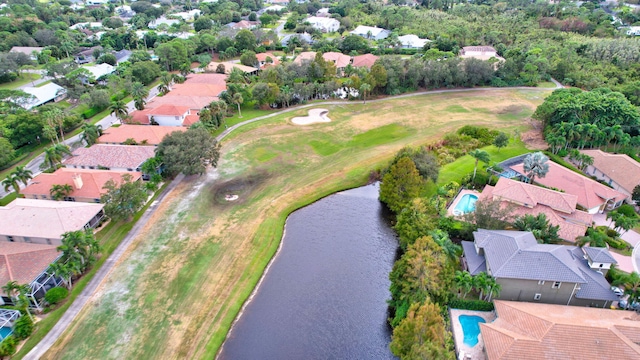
(625,263)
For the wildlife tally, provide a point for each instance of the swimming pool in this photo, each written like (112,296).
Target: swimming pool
(466,204)
(470,328)
(4,332)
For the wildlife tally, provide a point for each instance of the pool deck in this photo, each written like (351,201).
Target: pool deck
(463,351)
(457,199)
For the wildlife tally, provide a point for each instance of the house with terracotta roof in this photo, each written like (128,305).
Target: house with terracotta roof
(340,60)
(618,170)
(264,62)
(305,56)
(527,331)
(110,157)
(533,272)
(142,135)
(527,199)
(44,221)
(366,60)
(87,185)
(592,196)
(28,264)
(168,115)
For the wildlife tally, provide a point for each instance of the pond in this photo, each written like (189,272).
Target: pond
(324,296)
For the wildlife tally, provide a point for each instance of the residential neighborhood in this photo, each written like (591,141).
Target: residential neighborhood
(445,180)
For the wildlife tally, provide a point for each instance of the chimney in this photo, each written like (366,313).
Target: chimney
(77,181)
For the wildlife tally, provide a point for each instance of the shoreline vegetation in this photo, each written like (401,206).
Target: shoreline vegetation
(271,177)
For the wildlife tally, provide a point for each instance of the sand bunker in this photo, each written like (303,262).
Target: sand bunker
(315,116)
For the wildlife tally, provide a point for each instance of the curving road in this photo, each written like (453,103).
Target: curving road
(89,291)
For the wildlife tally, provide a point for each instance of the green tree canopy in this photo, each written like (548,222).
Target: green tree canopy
(123,200)
(188,152)
(401,184)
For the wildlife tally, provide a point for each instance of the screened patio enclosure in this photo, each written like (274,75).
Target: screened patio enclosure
(7,320)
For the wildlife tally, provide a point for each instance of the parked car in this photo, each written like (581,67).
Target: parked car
(623,304)
(616,290)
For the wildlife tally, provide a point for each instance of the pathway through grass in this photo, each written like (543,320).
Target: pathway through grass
(178,290)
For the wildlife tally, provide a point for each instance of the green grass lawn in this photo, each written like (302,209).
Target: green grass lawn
(462,166)
(24,79)
(109,238)
(176,294)
(43,83)
(546,85)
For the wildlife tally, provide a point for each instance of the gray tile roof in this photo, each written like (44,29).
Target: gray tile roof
(600,255)
(517,255)
(475,263)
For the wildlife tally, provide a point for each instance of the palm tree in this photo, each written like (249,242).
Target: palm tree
(165,83)
(536,165)
(631,284)
(91,133)
(365,89)
(55,119)
(593,238)
(119,109)
(54,154)
(479,155)
(22,174)
(480,283)
(139,94)
(11,181)
(11,289)
(22,301)
(493,288)
(63,271)
(464,282)
(59,192)
(286,92)
(67,46)
(237,99)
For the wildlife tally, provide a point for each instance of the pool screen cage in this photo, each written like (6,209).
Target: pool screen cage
(7,320)
(38,287)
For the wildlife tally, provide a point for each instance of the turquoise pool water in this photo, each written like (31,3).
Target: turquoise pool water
(466,204)
(470,328)
(4,332)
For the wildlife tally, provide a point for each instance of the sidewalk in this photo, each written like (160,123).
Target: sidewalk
(625,263)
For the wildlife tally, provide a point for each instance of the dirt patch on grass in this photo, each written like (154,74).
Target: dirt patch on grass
(534,138)
(242,186)
(512,109)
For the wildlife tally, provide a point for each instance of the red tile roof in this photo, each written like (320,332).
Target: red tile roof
(93,182)
(590,193)
(619,167)
(220,79)
(111,156)
(531,195)
(263,57)
(572,224)
(139,117)
(23,262)
(339,59)
(366,60)
(305,56)
(530,331)
(190,120)
(151,135)
(192,102)
(168,110)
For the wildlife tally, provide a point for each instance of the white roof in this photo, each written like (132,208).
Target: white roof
(186,15)
(43,94)
(86,25)
(155,23)
(273,8)
(364,30)
(412,41)
(100,70)
(322,21)
(45,218)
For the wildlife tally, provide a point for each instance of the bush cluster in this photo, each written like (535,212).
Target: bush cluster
(56,294)
(477,305)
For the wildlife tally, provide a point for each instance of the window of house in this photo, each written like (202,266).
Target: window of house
(541,282)
(537,296)
(556,285)
(177,117)
(48,241)
(601,265)
(10,238)
(27,239)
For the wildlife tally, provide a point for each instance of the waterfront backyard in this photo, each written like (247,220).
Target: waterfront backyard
(178,289)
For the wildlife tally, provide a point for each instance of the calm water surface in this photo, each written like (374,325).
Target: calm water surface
(325,294)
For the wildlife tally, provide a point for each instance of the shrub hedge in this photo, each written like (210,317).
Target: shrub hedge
(478,305)
(56,294)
